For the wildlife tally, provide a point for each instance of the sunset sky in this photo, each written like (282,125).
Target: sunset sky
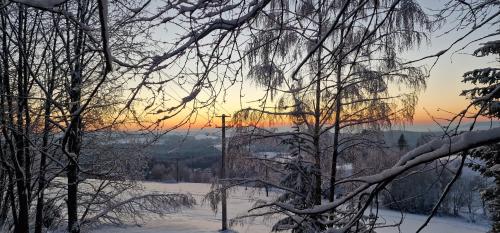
(441,96)
(443,86)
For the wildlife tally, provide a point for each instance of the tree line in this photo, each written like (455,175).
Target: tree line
(72,71)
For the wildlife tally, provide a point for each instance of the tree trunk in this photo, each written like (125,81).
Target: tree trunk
(317,117)
(22,170)
(74,152)
(43,161)
(72,203)
(336,134)
(73,143)
(338,105)
(4,197)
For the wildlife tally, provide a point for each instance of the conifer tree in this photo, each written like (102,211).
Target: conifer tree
(402,144)
(486,96)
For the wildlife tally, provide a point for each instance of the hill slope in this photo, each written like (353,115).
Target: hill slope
(202,219)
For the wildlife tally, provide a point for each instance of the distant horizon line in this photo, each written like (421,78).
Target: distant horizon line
(413,127)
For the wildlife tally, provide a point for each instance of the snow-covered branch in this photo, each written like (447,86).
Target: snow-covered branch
(428,152)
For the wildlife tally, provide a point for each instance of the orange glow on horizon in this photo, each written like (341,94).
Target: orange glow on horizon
(421,118)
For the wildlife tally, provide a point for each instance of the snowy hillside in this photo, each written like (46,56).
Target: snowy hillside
(202,219)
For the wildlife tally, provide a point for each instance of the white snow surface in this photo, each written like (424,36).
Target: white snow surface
(205,136)
(201,218)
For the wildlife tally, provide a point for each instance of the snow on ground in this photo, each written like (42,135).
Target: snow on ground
(205,136)
(201,218)
(437,224)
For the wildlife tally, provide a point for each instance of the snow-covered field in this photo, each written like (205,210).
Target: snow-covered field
(202,219)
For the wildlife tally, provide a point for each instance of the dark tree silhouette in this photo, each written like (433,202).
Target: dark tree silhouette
(402,143)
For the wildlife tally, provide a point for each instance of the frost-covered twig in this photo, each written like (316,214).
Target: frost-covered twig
(137,206)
